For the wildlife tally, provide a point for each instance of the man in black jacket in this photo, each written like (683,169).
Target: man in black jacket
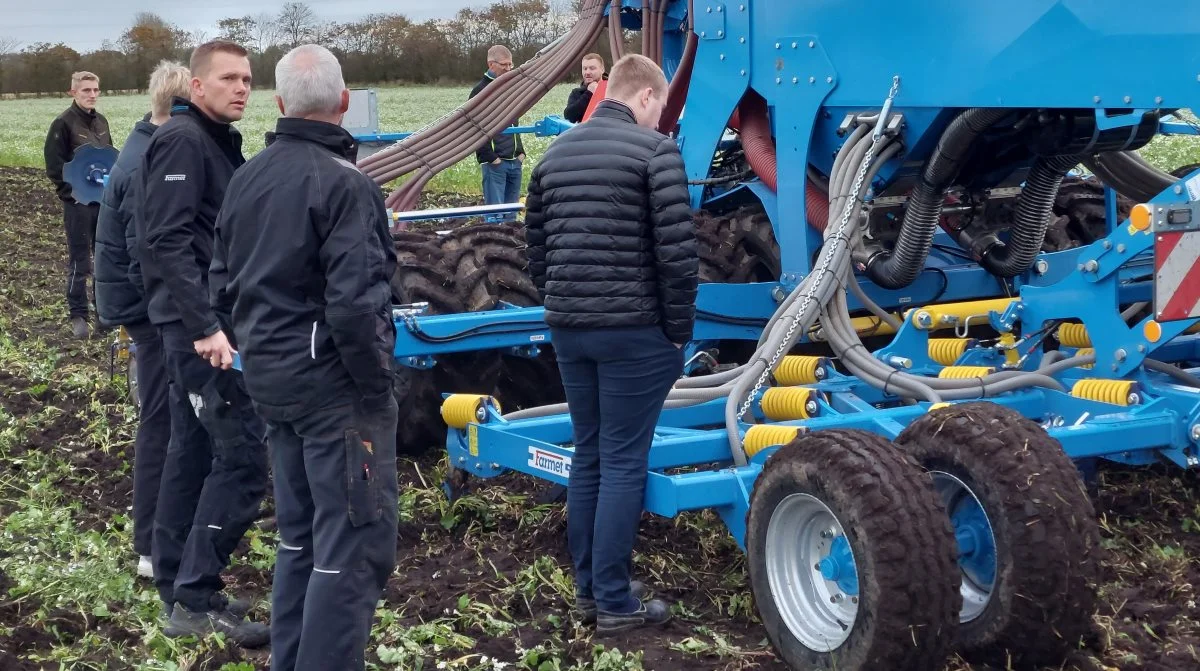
(301,269)
(580,97)
(80,124)
(121,300)
(502,158)
(216,469)
(612,250)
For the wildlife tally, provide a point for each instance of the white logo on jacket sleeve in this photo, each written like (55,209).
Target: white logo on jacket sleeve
(175,178)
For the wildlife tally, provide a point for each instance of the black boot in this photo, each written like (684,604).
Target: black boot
(654,612)
(241,631)
(585,607)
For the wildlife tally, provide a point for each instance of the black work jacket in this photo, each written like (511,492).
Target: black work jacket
(120,294)
(184,173)
(69,131)
(301,273)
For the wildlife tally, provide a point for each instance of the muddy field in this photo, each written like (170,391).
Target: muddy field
(478,584)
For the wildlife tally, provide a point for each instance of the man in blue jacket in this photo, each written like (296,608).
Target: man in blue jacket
(121,300)
(300,275)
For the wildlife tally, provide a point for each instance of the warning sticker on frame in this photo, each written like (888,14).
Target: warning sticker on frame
(1177,276)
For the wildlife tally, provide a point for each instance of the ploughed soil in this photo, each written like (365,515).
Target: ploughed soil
(493,567)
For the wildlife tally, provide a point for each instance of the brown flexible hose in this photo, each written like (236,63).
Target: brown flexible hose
(420,143)
(677,92)
(616,34)
(759,146)
(444,142)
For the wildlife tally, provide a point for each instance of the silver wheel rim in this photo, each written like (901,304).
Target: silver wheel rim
(976,587)
(818,612)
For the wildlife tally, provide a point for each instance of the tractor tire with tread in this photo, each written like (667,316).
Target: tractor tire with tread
(1046,538)
(896,531)
(449,285)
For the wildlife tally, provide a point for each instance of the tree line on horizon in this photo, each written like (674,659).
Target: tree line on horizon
(378,49)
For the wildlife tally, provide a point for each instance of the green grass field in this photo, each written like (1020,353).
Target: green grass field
(23,124)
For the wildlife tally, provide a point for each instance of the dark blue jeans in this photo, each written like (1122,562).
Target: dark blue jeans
(501,184)
(214,478)
(616,381)
(335,501)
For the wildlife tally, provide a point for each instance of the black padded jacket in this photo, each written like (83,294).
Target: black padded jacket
(609,228)
(69,131)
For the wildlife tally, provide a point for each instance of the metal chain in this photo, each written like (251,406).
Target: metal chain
(828,257)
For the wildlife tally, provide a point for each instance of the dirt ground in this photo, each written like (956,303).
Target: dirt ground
(476,582)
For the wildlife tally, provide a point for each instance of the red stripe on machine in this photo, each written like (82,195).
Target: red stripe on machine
(1177,276)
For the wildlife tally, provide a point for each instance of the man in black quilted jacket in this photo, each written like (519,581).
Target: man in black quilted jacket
(612,250)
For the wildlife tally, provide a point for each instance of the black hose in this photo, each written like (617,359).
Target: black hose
(1129,174)
(898,268)
(1034,210)
(1180,375)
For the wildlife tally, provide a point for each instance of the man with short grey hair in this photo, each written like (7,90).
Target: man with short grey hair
(300,277)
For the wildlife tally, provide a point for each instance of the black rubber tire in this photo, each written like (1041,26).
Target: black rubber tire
(523,382)
(451,284)
(1043,524)
(737,247)
(1082,202)
(902,543)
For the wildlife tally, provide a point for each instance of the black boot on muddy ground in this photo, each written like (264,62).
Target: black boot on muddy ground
(243,632)
(585,607)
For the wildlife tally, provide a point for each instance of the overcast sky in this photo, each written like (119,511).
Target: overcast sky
(84,24)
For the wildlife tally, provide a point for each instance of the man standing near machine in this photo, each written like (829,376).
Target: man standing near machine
(301,269)
(215,474)
(502,159)
(80,124)
(612,249)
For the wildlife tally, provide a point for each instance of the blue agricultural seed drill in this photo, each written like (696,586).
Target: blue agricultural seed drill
(938,285)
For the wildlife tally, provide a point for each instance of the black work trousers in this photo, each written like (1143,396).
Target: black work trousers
(214,478)
(153,431)
(335,501)
(80,223)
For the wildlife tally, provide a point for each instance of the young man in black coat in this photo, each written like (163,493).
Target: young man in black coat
(612,249)
(301,270)
(215,474)
(121,300)
(592,67)
(78,125)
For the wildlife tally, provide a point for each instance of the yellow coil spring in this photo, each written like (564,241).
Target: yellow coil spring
(946,351)
(1074,335)
(964,372)
(1084,351)
(795,370)
(459,410)
(784,403)
(761,436)
(1116,392)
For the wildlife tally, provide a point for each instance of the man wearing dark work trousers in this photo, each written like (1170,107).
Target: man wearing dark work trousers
(612,250)
(301,269)
(215,474)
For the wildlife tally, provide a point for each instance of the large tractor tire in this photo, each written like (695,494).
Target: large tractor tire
(1028,540)
(737,247)
(1081,201)
(449,283)
(850,556)
(522,382)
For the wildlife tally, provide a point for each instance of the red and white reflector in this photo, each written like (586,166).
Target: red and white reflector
(1177,275)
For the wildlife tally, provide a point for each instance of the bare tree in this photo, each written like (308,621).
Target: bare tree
(264,32)
(8,45)
(296,22)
